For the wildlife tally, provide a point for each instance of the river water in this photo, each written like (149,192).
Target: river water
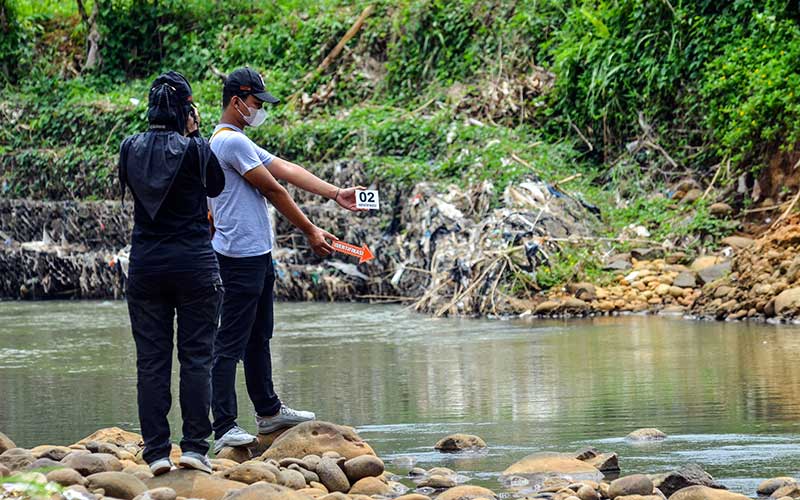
(728,394)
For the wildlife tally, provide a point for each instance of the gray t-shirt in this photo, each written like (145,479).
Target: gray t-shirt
(241,215)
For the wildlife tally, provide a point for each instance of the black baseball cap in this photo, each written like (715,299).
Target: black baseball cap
(245,81)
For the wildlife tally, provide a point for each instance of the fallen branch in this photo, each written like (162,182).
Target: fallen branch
(788,209)
(713,179)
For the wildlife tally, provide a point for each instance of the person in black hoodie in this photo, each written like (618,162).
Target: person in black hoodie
(170,170)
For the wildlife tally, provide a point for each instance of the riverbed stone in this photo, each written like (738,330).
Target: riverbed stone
(66,477)
(466,492)
(685,279)
(158,494)
(16,458)
(586,492)
(788,490)
(264,491)
(413,496)
(646,434)
(44,463)
(705,493)
(195,484)
(769,486)
(116,484)
(291,479)
(113,435)
(88,464)
(332,476)
(636,484)
(438,481)
(316,438)
(4,471)
(363,466)
(459,442)
(6,443)
(369,486)
(787,301)
(250,473)
(56,453)
(553,464)
(310,476)
(738,242)
(605,462)
(691,196)
(239,454)
(715,272)
(684,477)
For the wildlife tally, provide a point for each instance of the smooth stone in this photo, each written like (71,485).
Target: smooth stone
(720,209)
(66,477)
(286,462)
(80,492)
(239,454)
(16,459)
(318,486)
(363,466)
(336,495)
(4,471)
(114,435)
(704,262)
(438,482)
(441,471)
(466,492)
(553,463)
(222,464)
(715,272)
(459,442)
(686,279)
(56,453)
(769,486)
(686,476)
(332,476)
(789,490)
(292,479)
(738,242)
(6,443)
(158,494)
(640,497)
(692,196)
(309,476)
(787,301)
(195,484)
(413,496)
(705,493)
(310,462)
(117,484)
(317,438)
(44,463)
(369,486)
(92,463)
(417,472)
(646,434)
(636,484)
(605,462)
(251,472)
(586,492)
(264,491)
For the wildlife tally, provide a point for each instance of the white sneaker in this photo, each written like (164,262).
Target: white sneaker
(161,466)
(234,437)
(286,417)
(193,460)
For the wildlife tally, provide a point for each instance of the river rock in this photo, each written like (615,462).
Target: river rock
(88,464)
(715,272)
(238,454)
(315,438)
(704,262)
(114,435)
(310,476)
(547,307)
(291,479)
(646,434)
(251,472)
(583,291)
(56,453)
(466,492)
(116,484)
(720,209)
(789,490)
(369,486)
(66,477)
(605,462)
(705,493)
(414,496)
(459,442)
(190,483)
(636,484)
(738,242)
(264,491)
(332,476)
(691,196)
(689,475)
(686,279)
(336,495)
(44,463)
(768,486)
(438,481)
(6,443)
(363,466)
(16,458)
(553,464)
(158,494)
(641,497)
(586,492)
(310,462)
(787,301)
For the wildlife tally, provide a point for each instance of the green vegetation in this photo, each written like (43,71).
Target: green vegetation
(427,90)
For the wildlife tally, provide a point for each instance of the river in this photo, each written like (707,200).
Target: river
(728,394)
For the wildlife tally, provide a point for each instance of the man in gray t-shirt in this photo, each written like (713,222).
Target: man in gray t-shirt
(243,242)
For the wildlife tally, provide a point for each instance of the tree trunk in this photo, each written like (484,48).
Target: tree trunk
(93,39)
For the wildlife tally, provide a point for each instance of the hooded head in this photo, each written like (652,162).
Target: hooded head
(170,102)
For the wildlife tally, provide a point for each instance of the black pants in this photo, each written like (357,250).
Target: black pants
(244,333)
(153,300)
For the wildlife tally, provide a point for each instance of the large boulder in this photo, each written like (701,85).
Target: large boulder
(687,476)
(637,484)
(553,464)
(194,484)
(769,486)
(16,458)
(315,438)
(6,443)
(705,493)
(92,463)
(787,301)
(117,484)
(789,490)
(646,434)
(466,492)
(264,491)
(370,486)
(113,435)
(459,442)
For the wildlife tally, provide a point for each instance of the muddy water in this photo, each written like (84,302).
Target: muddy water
(727,393)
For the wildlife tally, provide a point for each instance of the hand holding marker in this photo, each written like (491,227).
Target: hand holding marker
(365,200)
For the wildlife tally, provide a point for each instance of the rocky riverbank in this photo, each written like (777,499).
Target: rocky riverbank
(324,461)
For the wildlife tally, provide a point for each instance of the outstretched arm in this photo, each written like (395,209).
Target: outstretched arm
(263,180)
(302,178)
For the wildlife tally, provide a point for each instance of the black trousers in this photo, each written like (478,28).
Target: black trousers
(153,300)
(244,334)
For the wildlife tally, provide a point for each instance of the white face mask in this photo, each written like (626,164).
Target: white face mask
(255,117)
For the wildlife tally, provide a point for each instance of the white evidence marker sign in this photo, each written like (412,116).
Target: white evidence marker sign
(367,199)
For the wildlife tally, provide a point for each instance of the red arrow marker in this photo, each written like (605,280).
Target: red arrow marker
(362,253)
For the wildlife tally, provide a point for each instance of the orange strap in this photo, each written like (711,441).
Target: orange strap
(220,130)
